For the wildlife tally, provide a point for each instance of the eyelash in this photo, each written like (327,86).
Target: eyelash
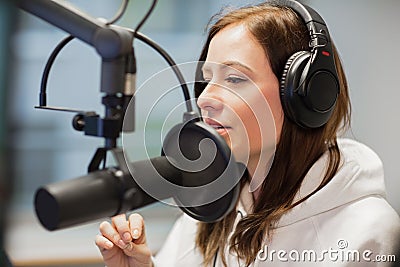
(233,80)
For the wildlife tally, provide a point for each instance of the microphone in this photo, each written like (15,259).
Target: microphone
(196,169)
(102,193)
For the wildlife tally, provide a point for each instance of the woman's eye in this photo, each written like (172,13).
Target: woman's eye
(234,79)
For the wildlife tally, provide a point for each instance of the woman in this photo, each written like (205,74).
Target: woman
(321,201)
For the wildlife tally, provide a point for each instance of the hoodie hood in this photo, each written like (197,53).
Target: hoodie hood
(360,175)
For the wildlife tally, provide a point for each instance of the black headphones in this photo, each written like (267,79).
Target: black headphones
(309,86)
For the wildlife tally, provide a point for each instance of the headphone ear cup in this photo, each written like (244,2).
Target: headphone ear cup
(289,85)
(307,101)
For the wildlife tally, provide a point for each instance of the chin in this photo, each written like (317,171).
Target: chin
(240,154)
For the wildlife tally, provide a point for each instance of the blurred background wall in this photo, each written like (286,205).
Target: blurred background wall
(7,14)
(367,36)
(47,149)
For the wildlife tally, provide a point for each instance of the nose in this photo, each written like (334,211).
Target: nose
(210,99)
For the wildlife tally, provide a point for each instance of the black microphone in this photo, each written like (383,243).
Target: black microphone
(102,193)
(196,168)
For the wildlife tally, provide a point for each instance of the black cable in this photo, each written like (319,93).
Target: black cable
(215,258)
(120,12)
(47,68)
(57,50)
(140,36)
(146,16)
(165,55)
(173,65)
(216,253)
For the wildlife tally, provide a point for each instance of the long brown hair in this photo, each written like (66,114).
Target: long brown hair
(281,33)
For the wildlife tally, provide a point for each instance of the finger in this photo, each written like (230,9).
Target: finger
(107,249)
(121,224)
(140,252)
(136,224)
(103,243)
(109,232)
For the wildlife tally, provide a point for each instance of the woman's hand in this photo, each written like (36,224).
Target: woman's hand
(123,242)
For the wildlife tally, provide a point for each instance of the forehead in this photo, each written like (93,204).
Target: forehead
(236,43)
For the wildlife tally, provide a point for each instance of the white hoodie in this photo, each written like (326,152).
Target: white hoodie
(346,223)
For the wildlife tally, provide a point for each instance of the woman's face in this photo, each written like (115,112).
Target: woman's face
(241,100)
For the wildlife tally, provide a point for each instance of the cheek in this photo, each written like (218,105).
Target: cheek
(250,122)
(261,119)
(274,116)
(253,130)
(256,117)
(241,138)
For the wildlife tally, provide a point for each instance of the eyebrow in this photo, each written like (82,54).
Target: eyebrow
(227,64)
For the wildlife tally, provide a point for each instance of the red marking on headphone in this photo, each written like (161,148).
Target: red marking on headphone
(326,53)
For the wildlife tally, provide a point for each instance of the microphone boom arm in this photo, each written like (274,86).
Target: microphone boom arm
(110,191)
(113,44)
(109,42)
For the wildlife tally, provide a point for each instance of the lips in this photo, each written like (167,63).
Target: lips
(216,125)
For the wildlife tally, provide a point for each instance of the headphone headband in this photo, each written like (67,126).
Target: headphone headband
(309,83)
(307,13)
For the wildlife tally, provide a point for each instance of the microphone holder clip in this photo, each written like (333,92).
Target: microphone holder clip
(100,156)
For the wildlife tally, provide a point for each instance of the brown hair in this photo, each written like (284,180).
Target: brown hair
(281,32)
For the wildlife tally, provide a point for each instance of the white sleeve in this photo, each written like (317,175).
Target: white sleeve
(168,252)
(179,247)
